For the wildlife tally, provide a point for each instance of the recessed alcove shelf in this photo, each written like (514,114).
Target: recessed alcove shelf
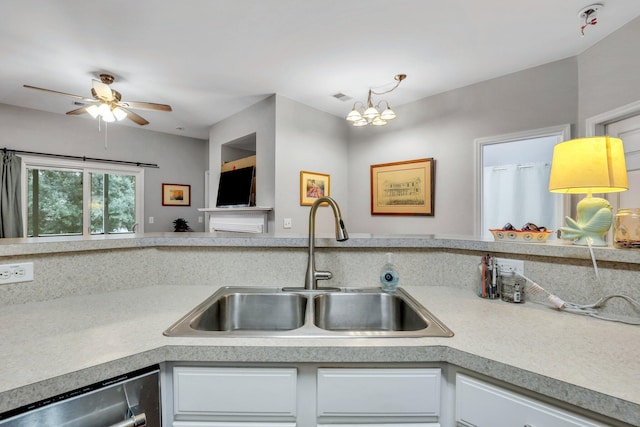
(250,219)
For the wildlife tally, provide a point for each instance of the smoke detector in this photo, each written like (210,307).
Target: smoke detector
(588,15)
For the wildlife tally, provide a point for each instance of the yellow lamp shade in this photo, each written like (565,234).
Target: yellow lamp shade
(588,165)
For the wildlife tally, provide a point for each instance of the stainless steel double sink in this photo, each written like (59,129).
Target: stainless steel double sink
(337,312)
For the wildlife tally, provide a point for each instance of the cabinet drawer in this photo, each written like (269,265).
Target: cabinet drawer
(483,405)
(264,392)
(379,392)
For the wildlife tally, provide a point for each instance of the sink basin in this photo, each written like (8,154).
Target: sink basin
(238,309)
(366,312)
(274,312)
(252,311)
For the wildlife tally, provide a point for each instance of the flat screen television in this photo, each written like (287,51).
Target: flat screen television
(234,189)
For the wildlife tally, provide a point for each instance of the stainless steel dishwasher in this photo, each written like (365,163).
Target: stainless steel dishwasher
(130,400)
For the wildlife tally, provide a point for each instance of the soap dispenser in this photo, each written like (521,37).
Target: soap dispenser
(389,275)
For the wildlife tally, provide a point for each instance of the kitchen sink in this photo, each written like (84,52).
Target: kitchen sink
(342,312)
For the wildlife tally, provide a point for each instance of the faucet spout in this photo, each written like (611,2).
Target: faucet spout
(312,275)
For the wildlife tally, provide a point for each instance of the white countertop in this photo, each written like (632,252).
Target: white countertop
(50,347)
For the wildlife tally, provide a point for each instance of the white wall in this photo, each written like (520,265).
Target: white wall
(181,160)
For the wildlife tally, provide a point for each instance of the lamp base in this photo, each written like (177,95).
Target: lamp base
(595,216)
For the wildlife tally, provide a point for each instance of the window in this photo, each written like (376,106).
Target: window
(65,198)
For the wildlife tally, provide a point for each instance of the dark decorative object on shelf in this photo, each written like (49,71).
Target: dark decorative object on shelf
(181,224)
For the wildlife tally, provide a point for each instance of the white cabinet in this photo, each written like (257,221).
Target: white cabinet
(303,396)
(267,396)
(480,404)
(382,396)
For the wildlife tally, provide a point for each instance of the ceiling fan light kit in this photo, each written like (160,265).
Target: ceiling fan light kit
(372,115)
(107,104)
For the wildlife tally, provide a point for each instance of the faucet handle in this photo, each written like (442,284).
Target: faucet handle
(322,275)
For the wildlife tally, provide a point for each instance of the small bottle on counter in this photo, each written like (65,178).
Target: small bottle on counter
(389,275)
(511,287)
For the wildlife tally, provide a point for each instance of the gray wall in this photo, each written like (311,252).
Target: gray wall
(290,137)
(260,119)
(309,140)
(609,74)
(444,127)
(293,137)
(181,160)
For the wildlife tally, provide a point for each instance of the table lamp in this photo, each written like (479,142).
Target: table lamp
(587,166)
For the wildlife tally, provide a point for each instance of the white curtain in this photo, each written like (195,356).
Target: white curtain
(517,193)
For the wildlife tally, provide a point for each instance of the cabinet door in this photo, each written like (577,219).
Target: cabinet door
(483,405)
(234,392)
(378,392)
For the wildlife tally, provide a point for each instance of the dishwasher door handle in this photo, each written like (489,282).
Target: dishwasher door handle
(135,421)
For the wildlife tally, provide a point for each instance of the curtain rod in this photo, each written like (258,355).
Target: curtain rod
(83,158)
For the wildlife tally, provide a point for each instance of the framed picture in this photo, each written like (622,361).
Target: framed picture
(313,185)
(176,195)
(403,188)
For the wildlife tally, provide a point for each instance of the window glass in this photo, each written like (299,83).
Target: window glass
(54,202)
(113,203)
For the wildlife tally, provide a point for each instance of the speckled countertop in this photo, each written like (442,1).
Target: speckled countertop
(50,347)
(551,249)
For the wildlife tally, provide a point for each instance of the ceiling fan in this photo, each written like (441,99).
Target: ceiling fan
(107,103)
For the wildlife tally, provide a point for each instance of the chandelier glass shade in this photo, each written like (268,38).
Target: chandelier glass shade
(106,112)
(376,115)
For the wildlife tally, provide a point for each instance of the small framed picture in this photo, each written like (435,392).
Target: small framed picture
(403,188)
(176,195)
(313,185)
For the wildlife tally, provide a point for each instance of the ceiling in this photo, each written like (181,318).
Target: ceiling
(210,59)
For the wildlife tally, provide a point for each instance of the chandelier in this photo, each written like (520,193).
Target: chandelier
(374,115)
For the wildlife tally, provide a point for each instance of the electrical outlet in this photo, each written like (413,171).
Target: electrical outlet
(15,273)
(287,223)
(505,265)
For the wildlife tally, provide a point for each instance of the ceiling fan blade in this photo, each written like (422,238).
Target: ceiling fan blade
(135,118)
(145,106)
(60,93)
(102,90)
(78,111)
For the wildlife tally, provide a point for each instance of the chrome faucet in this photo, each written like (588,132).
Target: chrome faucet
(312,276)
